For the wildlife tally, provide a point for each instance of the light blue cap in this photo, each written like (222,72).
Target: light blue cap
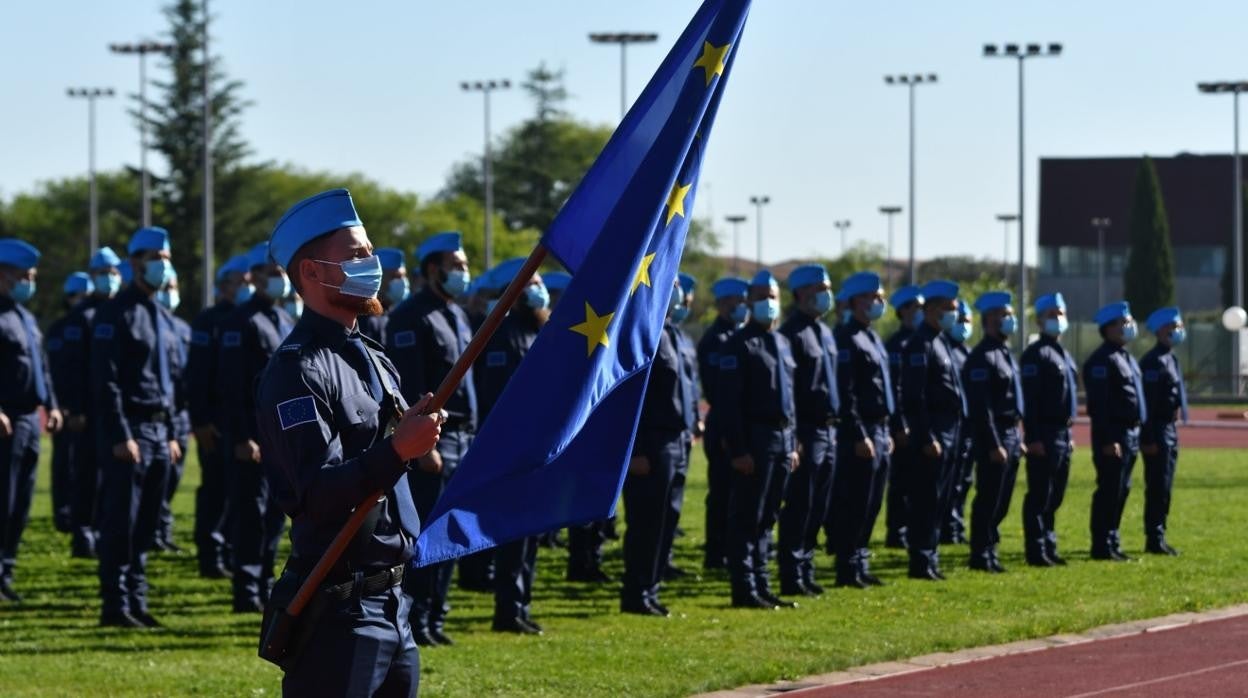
(730,286)
(309,219)
(993,300)
(1162,317)
(18,253)
(687,282)
(258,255)
(806,275)
(940,289)
(1050,301)
(78,282)
(147,240)
(556,280)
(237,263)
(104,258)
(906,294)
(450,241)
(860,283)
(497,278)
(764,277)
(1112,312)
(391,258)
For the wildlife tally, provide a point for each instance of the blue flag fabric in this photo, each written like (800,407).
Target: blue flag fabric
(554,450)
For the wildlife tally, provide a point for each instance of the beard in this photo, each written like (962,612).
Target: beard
(360,306)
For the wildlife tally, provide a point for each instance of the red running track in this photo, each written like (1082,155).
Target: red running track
(1198,660)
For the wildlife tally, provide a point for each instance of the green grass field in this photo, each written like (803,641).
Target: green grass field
(50,645)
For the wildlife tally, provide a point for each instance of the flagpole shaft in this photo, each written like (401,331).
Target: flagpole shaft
(448,387)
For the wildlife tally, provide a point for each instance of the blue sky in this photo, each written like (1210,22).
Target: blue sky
(373,86)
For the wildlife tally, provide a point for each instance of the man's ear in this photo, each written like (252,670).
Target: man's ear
(308,271)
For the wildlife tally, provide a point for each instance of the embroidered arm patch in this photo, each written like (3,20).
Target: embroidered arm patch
(1099,372)
(292,413)
(919,359)
(404,339)
(232,339)
(728,363)
(979,375)
(73,334)
(200,338)
(1030,370)
(496,359)
(103,331)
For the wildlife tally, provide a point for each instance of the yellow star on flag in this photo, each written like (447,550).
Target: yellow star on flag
(676,201)
(712,60)
(594,329)
(643,273)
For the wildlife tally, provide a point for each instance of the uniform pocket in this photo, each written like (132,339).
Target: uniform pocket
(360,408)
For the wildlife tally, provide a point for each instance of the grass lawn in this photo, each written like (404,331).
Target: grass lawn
(50,644)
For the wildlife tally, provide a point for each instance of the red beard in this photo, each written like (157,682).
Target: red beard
(360,306)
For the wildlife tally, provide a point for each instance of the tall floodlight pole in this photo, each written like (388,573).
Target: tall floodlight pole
(759,202)
(209,222)
(1237,235)
(91,94)
(842,226)
(1006,219)
(890,211)
(1100,223)
(485,87)
(623,39)
(736,220)
(1021,54)
(142,49)
(911,82)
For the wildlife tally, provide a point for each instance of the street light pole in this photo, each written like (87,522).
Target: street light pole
(1100,224)
(1006,219)
(890,211)
(842,226)
(759,202)
(911,81)
(1013,51)
(91,94)
(736,220)
(142,49)
(485,87)
(623,39)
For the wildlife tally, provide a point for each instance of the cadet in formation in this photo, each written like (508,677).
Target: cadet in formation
(689,357)
(953,529)
(334,429)
(170,298)
(907,302)
(395,288)
(1165,393)
(76,288)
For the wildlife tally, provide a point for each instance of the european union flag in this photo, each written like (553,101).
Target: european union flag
(554,450)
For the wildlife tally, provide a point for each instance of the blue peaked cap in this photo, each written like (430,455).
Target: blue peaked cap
(764,277)
(1050,301)
(104,258)
(497,278)
(963,308)
(687,283)
(258,255)
(993,300)
(127,274)
(556,280)
(1112,312)
(309,219)
(1162,317)
(860,283)
(391,258)
(18,253)
(940,289)
(806,275)
(449,241)
(730,286)
(78,282)
(148,239)
(237,263)
(906,294)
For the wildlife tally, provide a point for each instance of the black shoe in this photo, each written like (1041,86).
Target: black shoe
(1107,554)
(895,541)
(680,532)
(82,548)
(514,625)
(1040,560)
(1055,558)
(1118,555)
(813,588)
(794,588)
(870,579)
(753,601)
(120,620)
(853,581)
(423,638)
(929,574)
(440,637)
(146,619)
(1160,547)
(532,624)
(776,600)
(248,606)
(995,566)
(640,608)
(654,603)
(214,571)
(672,572)
(980,564)
(7,593)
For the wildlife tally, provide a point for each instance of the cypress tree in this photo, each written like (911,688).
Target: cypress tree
(1148,280)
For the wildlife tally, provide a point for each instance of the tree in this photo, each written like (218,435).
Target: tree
(1148,280)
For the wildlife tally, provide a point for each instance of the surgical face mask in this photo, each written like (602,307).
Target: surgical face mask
(536,296)
(23,290)
(1055,326)
(876,311)
(1009,325)
(277,287)
(294,307)
(766,310)
(1177,336)
(1129,331)
(948,320)
(489,305)
(244,293)
(363,276)
(961,332)
(157,272)
(398,290)
(456,282)
(846,316)
(916,319)
(823,302)
(108,284)
(741,313)
(170,298)
(680,314)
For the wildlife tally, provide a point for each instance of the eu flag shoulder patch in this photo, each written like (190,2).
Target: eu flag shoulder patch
(979,375)
(103,330)
(1152,375)
(844,357)
(232,339)
(405,339)
(1099,372)
(496,359)
(300,410)
(918,359)
(1030,370)
(200,338)
(728,363)
(73,334)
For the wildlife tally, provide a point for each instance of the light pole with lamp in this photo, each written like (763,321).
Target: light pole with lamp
(911,81)
(485,87)
(736,220)
(623,39)
(759,202)
(91,94)
(142,49)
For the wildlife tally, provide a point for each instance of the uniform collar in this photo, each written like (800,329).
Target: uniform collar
(329,331)
(992,342)
(1161,348)
(428,295)
(7,303)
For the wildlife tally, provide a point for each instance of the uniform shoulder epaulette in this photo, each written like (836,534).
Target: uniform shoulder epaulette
(290,350)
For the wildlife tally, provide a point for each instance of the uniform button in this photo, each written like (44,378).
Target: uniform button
(359,412)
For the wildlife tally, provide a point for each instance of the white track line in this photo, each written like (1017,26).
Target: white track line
(1163,679)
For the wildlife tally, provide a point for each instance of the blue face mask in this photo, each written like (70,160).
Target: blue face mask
(277,287)
(456,282)
(741,313)
(157,272)
(876,311)
(846,316)
(1129,331)
(23,290)
(108,284)
(490,305)
(244,293)
(1177,336)
(948,320)
(536,296)
(961,332)
(294,307)
(680,314)
(398,290)
(170,298)
(1009,325)
(363,276)
(916,319)
(823,302)
(766,310)
(1056,326)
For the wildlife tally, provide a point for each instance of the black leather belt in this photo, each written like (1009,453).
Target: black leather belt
(145,415)
(370,585)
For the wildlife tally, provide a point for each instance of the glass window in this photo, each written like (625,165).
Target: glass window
(1199,260)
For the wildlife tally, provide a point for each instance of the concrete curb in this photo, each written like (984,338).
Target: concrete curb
(880,670)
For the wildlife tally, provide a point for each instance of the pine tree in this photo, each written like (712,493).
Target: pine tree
(1148,279)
